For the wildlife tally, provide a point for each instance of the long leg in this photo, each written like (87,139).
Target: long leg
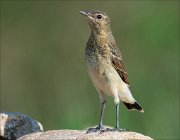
(100,125)
(117,122)
(117,116)
(116,101)
(102,114)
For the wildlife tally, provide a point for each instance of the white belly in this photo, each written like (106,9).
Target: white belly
(109,82)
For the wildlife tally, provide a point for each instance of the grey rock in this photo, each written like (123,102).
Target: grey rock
(15,125)
(81,135)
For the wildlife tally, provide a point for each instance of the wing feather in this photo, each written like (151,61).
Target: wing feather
(118,63)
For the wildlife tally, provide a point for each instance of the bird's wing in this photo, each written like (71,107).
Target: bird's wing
(118,63)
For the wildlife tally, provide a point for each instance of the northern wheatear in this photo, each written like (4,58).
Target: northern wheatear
(105,65)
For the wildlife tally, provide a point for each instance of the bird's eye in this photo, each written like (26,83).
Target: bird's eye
(99,16)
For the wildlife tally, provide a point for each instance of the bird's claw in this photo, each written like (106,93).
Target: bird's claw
(114,129)
(95,129)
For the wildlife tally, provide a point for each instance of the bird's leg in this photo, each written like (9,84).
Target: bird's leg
(100,126)
(117,122)
(102,114)
(117,116)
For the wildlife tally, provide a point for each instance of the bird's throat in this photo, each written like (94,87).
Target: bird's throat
(102,37)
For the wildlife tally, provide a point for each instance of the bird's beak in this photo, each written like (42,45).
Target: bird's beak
(83,13)
(87,15)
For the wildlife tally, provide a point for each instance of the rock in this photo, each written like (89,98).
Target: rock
(81,135)
(21,127)
(15,125)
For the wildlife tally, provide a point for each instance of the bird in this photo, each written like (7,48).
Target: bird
(106,67)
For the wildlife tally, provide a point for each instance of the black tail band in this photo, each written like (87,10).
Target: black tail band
(134,106)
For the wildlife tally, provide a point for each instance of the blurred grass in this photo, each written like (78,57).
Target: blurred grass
(43,72)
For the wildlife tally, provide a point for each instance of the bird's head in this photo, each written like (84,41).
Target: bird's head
(98,21)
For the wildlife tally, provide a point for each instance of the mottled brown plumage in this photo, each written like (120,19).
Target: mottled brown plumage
(105,64)
(118,63)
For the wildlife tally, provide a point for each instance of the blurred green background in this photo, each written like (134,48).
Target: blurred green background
(43,73)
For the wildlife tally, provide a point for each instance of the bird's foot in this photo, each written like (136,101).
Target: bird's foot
(95,129)
(114,129)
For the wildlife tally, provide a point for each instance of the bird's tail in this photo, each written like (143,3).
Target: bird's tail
(134,106)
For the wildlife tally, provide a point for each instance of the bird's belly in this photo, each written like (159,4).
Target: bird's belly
(108,81)
(100,83)
(102,78)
